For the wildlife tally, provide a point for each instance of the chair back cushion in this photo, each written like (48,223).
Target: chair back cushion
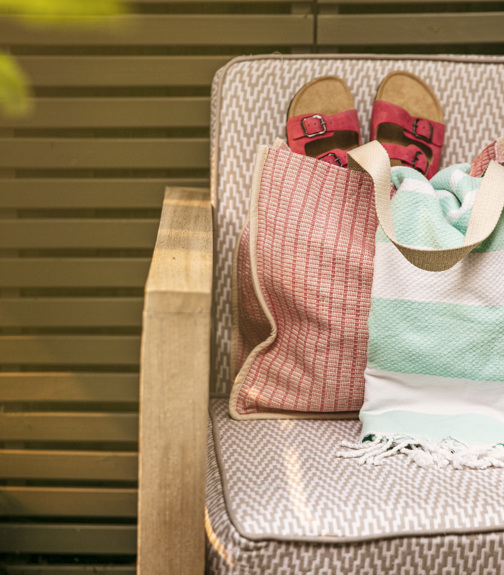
(250,97)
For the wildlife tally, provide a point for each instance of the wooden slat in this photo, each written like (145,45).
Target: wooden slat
(81,465)
(69,387)
(51,538)
(69,570)
(73,272)
(67,502)
(71,71)
(411,29)
(88,193)
(381,2)
(174,30)
(131,153)
(70,350)
(173,438)
(70,312)
(77,233)
(115,113)
(59,426)
(189,2)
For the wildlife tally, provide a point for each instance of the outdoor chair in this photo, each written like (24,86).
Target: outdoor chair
(278,501)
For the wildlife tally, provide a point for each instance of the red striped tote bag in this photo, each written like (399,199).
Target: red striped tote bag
(302,272)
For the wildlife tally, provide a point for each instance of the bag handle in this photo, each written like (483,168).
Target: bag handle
(373,159)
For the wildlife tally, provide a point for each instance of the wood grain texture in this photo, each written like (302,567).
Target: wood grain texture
(69,569)
(122,71)
(77,233)
(380,2)
(73,272)
(174,30)
(174,389)
(68,538)
(61,193)
(112,153)
(67,502)
(70,312)
(70,349)
(69,387)
(179,271)
(71,426)
(115,113)
(189,2)
(411,29)
(68,465)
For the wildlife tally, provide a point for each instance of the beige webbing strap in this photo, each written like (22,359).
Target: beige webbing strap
(373,159)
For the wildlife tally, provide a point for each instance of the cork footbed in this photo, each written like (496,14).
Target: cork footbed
(417,98)
(325,95)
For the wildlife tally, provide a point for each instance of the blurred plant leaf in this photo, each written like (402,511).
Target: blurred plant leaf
(65,11)
(15,98)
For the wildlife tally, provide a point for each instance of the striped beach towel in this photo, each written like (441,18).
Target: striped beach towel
(434,381)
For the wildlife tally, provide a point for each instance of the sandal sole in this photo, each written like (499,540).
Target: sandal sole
(417,98)
(326,95)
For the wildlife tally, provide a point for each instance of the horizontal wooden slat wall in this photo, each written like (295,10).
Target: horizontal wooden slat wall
(410,27)
(121,112)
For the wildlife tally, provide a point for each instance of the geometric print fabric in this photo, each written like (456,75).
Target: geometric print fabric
(312,252)
(283,481)
(230,551)
(250,98)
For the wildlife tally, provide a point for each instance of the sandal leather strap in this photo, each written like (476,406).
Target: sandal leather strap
(426,132)
(410,155)
(309,127)
(335,157)
(419,129)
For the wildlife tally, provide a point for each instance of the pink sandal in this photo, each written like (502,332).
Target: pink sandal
(322,121)
(407,119)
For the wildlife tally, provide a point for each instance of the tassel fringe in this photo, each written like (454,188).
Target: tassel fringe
(425,452)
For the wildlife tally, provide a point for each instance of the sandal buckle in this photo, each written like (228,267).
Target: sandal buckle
(420,136)
(322,123)
(420,155)
(336,161)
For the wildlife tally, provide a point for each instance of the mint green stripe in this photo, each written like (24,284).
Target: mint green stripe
(495,242)
(421,219)
(419,222)
(381,237)
(427,229)
(447,340)
(468,427)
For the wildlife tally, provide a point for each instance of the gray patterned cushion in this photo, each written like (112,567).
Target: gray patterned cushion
(279,502)
(249,105)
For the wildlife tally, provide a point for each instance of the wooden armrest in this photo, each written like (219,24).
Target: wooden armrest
(175,363)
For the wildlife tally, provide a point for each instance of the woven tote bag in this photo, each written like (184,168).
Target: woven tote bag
(434,386)
(302,271)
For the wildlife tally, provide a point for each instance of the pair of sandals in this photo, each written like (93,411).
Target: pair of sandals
(407,119)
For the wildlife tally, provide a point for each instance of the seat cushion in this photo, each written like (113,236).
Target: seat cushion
(279,501)
(250,98)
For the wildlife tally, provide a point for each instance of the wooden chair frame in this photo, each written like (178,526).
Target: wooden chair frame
(175,367)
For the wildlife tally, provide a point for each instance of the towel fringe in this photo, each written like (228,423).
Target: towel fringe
(425,452)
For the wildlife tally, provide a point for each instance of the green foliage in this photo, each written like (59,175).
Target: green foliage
(62,11)
(14,91)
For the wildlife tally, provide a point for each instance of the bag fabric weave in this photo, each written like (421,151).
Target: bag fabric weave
(435,371)
(302,290)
